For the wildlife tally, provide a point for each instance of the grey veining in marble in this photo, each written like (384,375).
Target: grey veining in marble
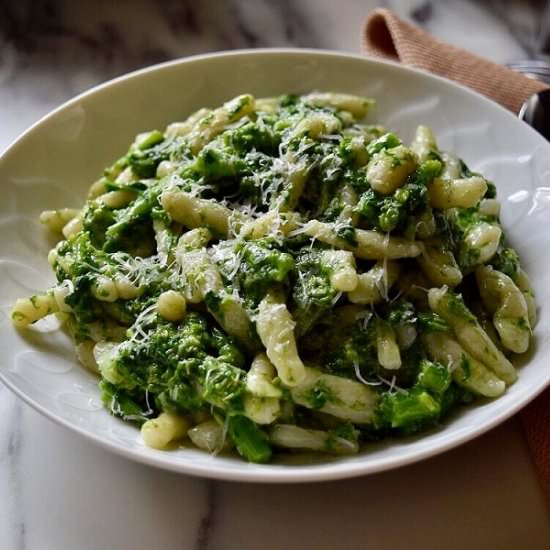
(10,462)
(208,522)
(60,492)
(53,49)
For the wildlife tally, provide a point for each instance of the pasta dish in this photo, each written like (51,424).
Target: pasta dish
(278,274)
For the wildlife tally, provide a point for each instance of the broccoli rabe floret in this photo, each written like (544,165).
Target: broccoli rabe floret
(223,385)
(426,172)
(253,267)
(433,377)
(506,260)
(215,162)
(262,265)
(258,135)
(183,367)
(390,212)
(409,410)
(313,280)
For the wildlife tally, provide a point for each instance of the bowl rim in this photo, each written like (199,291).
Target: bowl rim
(269,473)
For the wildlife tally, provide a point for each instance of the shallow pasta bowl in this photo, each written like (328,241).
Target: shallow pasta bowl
(53,163)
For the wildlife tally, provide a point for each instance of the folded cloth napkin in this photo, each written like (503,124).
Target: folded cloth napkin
(387,36)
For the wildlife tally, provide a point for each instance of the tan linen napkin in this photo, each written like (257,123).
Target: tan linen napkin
(387,36)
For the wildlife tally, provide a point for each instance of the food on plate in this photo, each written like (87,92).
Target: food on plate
(278,274)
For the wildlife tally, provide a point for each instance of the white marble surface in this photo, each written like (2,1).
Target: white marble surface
(58,491)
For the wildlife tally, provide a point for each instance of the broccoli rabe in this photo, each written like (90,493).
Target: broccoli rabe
(258,135)
(214,162)
(312,291)
(183,367)
(96,220)
(343,342)
(262,265)
(409,410)
(403,318)
(387,141)
(119,403)
(129,228)
(506,260)
(249,439)
(432,322)
(313,286)
(146,156)
(473,237)
(390,212)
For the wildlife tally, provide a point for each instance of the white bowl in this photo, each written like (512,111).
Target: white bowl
(54,162)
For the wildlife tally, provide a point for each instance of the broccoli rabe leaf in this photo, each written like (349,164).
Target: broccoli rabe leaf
(131,222)
(387,141)
(432,322)
(119,403)
(249,439)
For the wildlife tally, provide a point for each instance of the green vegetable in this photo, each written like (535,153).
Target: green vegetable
(409,410)
(119,403)
(434,377)
(262,265)
(250,441)
(134,215)
(387,141)
(432,322)
(391,212)
(506,260)
(218,163)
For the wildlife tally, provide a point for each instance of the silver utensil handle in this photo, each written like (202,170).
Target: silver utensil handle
(543,42)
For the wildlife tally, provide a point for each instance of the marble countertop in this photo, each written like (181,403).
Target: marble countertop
(58,491)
